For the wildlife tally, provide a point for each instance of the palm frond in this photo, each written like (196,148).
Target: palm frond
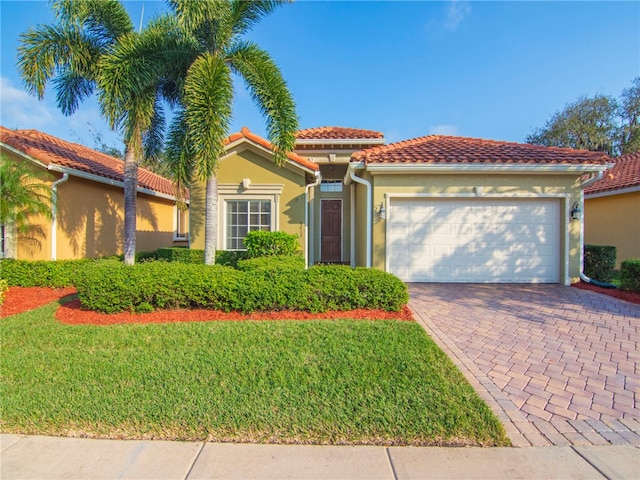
(71,89)
(244,14)
(153,137)
(46,50)
(208,99)
(105,20)
(23,195)
(269,92)
(178,154)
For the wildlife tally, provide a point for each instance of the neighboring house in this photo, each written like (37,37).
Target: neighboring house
(612,208)
(88,204)
(434,209)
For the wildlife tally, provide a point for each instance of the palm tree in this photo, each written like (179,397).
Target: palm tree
(22,196)
(217,50)
(68,54)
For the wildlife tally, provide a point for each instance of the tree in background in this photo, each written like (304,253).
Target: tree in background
(601,123)
(68,54)
(23,195)
(630,115)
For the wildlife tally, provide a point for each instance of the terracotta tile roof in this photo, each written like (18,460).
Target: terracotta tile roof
(341,133)
(440,149)
(55,151)
(249,135)
(624,174)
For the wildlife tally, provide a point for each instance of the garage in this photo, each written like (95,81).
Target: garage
(474,240)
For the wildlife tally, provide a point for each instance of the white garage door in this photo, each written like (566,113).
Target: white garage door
(474,240)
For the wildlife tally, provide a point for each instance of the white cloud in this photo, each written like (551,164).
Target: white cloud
(18,109)
(457,11)
(444,130)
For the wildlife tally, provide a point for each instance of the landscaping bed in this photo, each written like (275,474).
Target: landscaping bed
(629,296)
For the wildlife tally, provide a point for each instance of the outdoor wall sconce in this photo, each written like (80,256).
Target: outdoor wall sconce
(576,213)
(381,211)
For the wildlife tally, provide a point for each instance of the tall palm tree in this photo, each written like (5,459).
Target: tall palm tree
(208,47)
(68,54)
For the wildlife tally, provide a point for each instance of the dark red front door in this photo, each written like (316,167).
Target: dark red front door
(331,231)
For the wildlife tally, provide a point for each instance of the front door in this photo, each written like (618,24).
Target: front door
(331,231)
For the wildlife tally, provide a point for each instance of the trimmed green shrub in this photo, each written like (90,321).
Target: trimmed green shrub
(229,258)
(181,254)
(41,273)
(110,286)
(4,286)
(280,262)
(337,287)
(630,274)
(599,262)
(260,243)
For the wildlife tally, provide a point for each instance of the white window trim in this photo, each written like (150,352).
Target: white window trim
(246,190)
(176,236)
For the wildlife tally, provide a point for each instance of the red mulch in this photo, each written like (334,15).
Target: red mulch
(633,297)
(22,299)
(71,313)
(19,299)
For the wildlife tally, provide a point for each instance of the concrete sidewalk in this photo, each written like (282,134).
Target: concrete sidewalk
(74,458)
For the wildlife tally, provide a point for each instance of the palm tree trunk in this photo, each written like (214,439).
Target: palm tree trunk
(211,221)
(130,191)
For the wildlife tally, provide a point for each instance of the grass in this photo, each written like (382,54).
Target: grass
(324,382)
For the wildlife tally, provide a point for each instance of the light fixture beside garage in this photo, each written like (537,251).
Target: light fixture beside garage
(576,212)
(381,211)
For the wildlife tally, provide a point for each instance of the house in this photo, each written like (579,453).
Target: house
(612,208)
(434,209)
(88,205)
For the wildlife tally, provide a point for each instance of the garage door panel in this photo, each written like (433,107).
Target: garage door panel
(474,240)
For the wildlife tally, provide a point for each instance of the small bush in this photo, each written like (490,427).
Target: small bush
(42,273)
(599,262)
(267,244)
(4,286)
(630,275)
(182,255)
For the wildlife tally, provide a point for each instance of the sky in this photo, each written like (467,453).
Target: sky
(493,70)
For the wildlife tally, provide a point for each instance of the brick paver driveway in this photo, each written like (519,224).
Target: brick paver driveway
(558,365)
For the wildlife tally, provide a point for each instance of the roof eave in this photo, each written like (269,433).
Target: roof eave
(340,141)
(613,191)
(231,148)
(377,168)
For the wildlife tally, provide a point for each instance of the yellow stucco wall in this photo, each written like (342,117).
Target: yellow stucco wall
(564,187)
(90,221)
(257,166)
(614,220)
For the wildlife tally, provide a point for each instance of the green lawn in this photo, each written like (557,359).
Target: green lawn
(326,382)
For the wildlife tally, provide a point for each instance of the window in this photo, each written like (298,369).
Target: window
(244,216)
(331,186)
(182,224)
(3,239)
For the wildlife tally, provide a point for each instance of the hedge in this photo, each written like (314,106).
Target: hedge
(630,274)
(599,262)
(110,286)
(181,254)
(41,273)
(283,262)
